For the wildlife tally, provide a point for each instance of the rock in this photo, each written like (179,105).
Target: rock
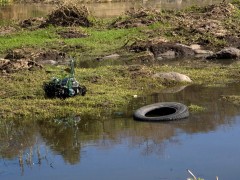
(202,53)
(145,57)
(172,76)
(195,46)
(112,56)
(226,53)
(162,48)
(50,62)
(168,54)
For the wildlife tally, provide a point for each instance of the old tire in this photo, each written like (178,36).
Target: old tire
(165,111)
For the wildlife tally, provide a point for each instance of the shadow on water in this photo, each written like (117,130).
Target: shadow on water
(37,143)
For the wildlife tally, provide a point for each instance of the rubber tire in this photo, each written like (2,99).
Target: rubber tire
(180,112)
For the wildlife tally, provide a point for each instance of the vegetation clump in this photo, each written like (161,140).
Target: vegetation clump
(196,108)
(235,99)
(136,18)
(68,15)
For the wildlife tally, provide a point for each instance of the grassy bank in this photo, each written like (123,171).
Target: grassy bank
(110,87)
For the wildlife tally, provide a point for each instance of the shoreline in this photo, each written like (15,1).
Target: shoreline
(139,43)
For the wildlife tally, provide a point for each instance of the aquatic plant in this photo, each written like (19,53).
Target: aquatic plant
(195,108)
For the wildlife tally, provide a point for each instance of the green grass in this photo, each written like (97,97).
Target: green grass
(26,38)
(22,95)
(110,86)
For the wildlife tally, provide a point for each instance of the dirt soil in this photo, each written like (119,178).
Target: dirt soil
(71,33)
(29,58)
(68,15)
(10,66)
(208,25)
(5,30)
(137,17)
(36,54)
(32,23)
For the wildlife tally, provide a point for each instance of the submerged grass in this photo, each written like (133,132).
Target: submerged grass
(195,108)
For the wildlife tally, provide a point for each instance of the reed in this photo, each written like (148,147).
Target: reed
(3,2)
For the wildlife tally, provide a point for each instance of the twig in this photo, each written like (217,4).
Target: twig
(194,177)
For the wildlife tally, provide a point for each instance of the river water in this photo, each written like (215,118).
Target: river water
(110,9)
(117,147)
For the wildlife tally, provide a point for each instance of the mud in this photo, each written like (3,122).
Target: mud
(36,54)
(72,33)
(29,58)
(10,66)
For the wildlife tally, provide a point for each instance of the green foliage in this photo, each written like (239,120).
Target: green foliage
(109,87)
(236,3)
(195,108)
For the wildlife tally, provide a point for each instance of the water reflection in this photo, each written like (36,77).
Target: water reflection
(24,11)
(37,143)
(109,9)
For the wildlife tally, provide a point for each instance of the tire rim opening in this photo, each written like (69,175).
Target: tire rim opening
(163,111)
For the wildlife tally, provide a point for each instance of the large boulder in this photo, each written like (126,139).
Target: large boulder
(172,76)
(226,53)
(171,50)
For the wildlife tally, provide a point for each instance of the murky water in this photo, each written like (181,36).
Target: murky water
(110,9)
(118,147)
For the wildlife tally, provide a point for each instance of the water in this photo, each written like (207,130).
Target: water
(117,147)
(110,9)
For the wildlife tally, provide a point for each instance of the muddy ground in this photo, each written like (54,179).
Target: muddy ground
(203,32)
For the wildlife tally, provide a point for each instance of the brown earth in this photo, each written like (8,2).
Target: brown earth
(137,17)
(5,30)
(68,15)
(10,66)
(213,27)
(64,15)
(29,59)
(36,54)
(72,33)
(32,23)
